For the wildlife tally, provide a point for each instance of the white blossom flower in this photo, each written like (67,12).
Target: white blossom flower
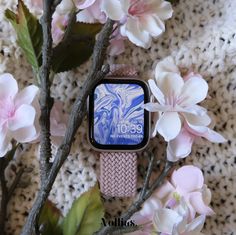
(17,114)
(188,183)
(175,221)
(141,19)
(176,99)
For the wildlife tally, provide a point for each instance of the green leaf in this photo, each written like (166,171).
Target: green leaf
(84,217)
(50,219)
(29,33)
(76,46)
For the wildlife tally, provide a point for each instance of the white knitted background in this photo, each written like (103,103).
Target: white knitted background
(200,36)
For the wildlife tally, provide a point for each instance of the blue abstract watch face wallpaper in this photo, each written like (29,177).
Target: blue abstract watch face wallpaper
(118,114)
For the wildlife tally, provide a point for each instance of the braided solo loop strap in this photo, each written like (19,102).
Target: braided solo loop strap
(122,70)
(118,174)
(118,171)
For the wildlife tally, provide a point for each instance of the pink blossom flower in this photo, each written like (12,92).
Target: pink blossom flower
(176,99)
(17,114)
(175,221)
(141,19)
(187,182)
(171,209)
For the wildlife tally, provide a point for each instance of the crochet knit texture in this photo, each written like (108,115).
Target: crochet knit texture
(201,37)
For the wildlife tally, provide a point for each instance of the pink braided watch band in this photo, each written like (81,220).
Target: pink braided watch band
(118,170)
(118,174)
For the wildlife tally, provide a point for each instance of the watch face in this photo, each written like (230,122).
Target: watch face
(117,118)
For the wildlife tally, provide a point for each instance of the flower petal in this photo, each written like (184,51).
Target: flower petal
(155,117)
(150,206)
(206,194)
(24,116)
(25,134)
(165,190)
(86,17)
(194,109)
(197,126)
(113,9)
(171,86)
(196,225)
(164,10)
(26,96)
(8,86)
(152,24)
(156,91)
(155,107)
(165,66)
(66,6)
(5,142)
(197,120)
(132,30)
(196,200)
(170,156)
(169,125)
(165,219)
(82,4)
(213,136)
(181,146)
(92,14)
(188,178)
(194,91)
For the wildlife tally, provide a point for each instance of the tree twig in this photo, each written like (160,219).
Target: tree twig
(76,117)
(148,174)
(45,100)
(136,206)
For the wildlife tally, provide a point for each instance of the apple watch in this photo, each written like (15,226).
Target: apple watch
(118,128)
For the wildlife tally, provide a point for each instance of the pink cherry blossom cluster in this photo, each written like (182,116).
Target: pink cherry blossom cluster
(137,20)
(20,112)
(178,117)
(179,207)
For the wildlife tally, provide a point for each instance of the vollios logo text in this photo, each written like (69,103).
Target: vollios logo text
(119,222)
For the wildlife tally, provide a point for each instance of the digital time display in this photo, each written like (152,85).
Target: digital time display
(118,114)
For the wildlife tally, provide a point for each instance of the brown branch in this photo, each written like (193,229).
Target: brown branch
(148,174)
(136,206)
(76,117)
(45,100)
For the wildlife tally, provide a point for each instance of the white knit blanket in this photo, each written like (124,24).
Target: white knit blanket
(200,36)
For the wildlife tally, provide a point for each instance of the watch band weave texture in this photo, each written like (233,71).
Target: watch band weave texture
(118,170)
(118,174)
